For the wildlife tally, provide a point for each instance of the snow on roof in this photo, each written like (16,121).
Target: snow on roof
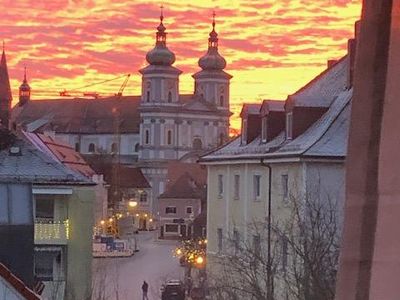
(322,90)
(327,137)
(32,165)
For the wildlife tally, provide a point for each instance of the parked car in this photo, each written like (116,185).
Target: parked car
(173,290)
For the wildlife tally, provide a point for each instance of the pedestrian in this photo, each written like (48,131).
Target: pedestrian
(145,288)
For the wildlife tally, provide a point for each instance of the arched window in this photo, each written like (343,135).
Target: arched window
(147,137)
(137,147)
(169,97)
(221,100)
(91,148)
(143,197)
(148,96)
(77,147)
(221,139)
(169,137)
(114,148)
(197,144)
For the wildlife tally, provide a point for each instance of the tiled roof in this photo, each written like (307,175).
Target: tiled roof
(185,188)
(81,115)
(17,284)
(61,152)
(32,165)
(176,169)
(272,105)
(250,109)
(322,90)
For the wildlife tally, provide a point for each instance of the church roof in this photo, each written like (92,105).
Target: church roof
(5,89)
(80,115)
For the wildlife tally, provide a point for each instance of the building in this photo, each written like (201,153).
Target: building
(150,130)
(49,223)
(12,288)
(288,151)
(180,205)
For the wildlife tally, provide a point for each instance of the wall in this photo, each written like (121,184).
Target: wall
(79,264)
(7,292)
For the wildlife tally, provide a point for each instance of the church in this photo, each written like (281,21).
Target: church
(148,131)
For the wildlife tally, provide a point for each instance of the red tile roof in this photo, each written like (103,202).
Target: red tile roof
(17,284)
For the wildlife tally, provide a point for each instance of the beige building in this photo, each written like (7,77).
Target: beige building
(288,151)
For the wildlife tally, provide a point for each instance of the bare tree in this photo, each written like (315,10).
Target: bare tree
(303,261)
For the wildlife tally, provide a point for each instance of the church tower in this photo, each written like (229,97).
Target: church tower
(160,95)
(212,82)
(24,91)
(5,92)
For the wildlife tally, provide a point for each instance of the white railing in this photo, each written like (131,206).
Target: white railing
(51,232)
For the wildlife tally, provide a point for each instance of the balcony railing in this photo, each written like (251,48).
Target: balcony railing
(51,232)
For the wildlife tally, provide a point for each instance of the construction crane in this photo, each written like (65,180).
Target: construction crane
(95,95)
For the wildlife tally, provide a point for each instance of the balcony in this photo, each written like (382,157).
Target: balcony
(51,232)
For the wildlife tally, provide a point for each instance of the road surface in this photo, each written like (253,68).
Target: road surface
(122,278)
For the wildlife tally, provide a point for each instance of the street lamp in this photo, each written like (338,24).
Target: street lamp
(132,203)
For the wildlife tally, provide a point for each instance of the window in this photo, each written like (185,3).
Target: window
(221,139)
(189,209)
(169,137)
(197,144)
(236,240)
(148,96)
(285,188)
(257,186)
(221,100)
(264,126)
(44,264)
(219,239)
(146,137)
(244,131)
(77,147)
(256,246)
(137,147)
(44,207)
(91,148)
(171,228)
(236,185)
(114,148)
(220,185)
(143,197)
(169,97)
(170,210)
(289,125)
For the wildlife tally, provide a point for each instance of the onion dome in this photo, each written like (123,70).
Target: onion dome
(160,54)
(212,60)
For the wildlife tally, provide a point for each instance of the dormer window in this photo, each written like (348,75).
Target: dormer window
(244,131)
(289,125)
(264,126)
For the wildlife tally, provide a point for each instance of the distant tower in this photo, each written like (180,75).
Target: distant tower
(5,92)
(160,92)
(24,91)
(212,83)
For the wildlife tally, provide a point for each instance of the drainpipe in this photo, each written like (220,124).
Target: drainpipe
(269,279)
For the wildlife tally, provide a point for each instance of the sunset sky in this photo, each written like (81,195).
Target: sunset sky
(272,47)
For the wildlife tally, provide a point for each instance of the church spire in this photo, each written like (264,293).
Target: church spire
(5,91)
(24,91)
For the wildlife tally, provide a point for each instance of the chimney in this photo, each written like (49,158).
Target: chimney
(331,62)
(351,51)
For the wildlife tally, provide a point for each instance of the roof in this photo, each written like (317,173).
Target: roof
(81,115)
(5,89)
(185,188)
(128,177)
(34,166)
(327,137)
(61,152)
(250,109)
(17,284)
(176,169)
(272,105)
(322,90)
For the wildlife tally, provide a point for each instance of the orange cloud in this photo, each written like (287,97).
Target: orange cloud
(271,48)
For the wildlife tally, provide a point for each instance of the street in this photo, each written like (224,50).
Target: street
(122,278)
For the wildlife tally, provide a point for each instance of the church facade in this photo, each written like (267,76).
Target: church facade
(147,131)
